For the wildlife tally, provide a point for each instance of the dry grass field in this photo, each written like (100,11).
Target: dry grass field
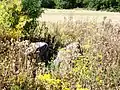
(55,15)
(96,68)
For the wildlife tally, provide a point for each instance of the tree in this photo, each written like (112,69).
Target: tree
(31,8)
(65,4)
(79,3)
(47,4)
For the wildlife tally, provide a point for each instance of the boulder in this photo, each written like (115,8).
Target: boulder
(67,54)
(37,50)
(41,51)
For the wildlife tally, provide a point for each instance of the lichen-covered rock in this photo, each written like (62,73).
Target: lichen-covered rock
(40,49)
(36,50)
(67,54)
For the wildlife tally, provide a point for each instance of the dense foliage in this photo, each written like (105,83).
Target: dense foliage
(110,5)
(64,3)
(47,4)
(15,16)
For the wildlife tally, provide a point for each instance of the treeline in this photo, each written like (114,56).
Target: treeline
(109,5)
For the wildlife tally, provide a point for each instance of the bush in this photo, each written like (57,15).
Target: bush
(15,15)
(109,5)
(102,5)
(11,18)
(64,4)
(47,4)
(79,3)
(32,8)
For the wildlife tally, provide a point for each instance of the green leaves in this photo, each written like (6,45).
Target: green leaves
(16,13)
(109,5)
(65,4)
(32,8)
(9,13)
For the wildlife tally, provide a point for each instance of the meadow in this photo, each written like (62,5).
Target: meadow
(54,15)
(97,69)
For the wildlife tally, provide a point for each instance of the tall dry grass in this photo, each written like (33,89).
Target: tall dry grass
(97,69)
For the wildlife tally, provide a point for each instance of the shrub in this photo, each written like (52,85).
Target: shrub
(102,5)
(64,4)
(79,3)
(11,19)
(17,15)
(109,5)
(49,82)
(32,8)
(47,4)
